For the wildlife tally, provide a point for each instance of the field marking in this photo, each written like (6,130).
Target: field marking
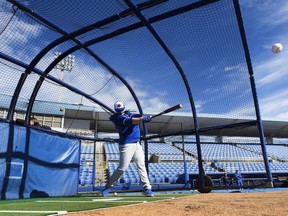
(124,206)
(93,200)
(49,212)
(67,201)
(98,200)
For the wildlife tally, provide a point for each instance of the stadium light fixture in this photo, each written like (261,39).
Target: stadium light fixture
(66,64)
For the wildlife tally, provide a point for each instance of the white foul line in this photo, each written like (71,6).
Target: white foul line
(75,201)
(101,200)
(8,211)
(93,200)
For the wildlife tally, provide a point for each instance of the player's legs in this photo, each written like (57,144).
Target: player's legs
(239,183)
(140,163)
(126,154)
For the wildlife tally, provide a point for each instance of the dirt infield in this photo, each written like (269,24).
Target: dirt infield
(224,204)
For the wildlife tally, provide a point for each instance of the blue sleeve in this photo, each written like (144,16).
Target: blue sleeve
(136,115)
(117,119)
(128,121)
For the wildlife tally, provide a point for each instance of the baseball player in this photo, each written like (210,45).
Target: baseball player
(238,178)
(127,125)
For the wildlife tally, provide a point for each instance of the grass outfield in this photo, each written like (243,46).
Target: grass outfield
(61,205)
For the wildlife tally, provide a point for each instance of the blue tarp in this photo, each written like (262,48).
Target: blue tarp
(34,163)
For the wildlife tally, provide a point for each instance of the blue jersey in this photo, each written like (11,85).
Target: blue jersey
(128,132)
(238,176)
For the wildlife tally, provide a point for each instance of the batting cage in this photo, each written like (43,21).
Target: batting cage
(66,63)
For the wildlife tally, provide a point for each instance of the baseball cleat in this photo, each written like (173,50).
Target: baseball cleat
(105,192)
(147,193)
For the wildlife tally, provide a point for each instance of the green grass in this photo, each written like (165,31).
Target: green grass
(76,203)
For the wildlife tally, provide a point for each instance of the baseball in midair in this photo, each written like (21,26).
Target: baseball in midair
(277,48)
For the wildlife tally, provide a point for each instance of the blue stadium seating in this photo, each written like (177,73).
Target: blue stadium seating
(278,152)
(159,171)
(245,157)
(221,151)
(165,151)
(86,156)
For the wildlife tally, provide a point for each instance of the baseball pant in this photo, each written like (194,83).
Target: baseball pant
(127,153)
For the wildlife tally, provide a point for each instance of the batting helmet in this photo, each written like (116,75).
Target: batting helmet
(119,106)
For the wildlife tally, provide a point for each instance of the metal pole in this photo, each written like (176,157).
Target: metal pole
(253,87)
(61,76)
(186,176)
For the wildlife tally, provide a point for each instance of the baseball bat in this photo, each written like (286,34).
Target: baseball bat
(171,109)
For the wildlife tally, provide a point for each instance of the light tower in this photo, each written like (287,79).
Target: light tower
(66,64)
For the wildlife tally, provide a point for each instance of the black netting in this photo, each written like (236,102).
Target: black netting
(113,46)
(136,55)
(73,15)
(186,52)
(209,48)
(10,73)
(24,36)
(117,58)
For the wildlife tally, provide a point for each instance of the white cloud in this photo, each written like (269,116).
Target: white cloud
(274,106)
(114,90)
(245,111)
(199,105)
(21,33)
(229,68)
(276,13)
(272,13)
(271,71)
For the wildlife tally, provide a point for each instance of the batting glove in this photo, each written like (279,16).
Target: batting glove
(146,119)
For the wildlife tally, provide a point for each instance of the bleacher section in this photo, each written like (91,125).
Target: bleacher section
(87,152)
(111,151)
(220,151)
(160,172)
(218,157)
(86,164)
(278,152)
(85,175)
(253,167)
(166,152)
(171,161)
